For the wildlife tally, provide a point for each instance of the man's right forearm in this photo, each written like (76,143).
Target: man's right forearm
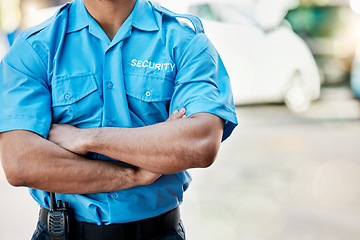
(31,161)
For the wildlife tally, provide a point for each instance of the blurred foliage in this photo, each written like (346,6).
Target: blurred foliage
(316,21)
(323,2)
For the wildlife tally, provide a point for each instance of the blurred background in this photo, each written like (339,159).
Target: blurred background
(291,169)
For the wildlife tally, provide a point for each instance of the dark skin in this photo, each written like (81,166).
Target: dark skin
(32,161)
(110,14)
(55,165)
(163,148)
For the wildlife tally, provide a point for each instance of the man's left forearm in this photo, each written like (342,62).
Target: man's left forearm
(165,148)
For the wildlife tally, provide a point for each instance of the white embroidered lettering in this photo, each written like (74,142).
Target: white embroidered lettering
(172,67)
(166,65)
(152,65)
(145,65)
(157,66)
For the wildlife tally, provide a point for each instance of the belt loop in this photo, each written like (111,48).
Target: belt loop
(80,232)
(138,233)
(76,230)
(91,231)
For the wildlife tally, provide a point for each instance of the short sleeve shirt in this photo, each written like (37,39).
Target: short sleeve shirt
(67,71)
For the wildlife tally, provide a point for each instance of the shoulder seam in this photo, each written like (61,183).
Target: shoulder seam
(196,22)
(187,47)
(44,64)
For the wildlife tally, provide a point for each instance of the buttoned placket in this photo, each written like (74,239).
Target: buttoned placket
(116,110)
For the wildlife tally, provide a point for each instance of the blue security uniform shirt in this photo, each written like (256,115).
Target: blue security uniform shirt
(67,71)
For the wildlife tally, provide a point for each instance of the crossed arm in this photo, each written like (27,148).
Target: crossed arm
(57,165)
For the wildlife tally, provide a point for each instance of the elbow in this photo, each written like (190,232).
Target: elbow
(206,139)
(13,172)
(14,180)
(207,152)
(15,157)
(207,159)
(207,162)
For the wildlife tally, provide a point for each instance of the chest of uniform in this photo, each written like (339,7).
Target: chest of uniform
(90,81)
(147,57)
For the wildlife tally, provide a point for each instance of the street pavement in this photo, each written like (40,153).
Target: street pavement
(281,175)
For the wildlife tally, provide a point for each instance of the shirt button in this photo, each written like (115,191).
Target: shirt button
(148,93)
(110,85)
(110,123)
(67,96)
(114,195)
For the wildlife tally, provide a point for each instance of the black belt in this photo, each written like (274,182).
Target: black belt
(147,228)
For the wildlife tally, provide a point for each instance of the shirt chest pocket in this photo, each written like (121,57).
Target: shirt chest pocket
(149,88)
(149,96)
(76,100)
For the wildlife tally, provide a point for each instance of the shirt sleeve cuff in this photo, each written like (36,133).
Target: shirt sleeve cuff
(216,108)
(32,125)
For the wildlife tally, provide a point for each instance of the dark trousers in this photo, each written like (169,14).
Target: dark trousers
(41,233)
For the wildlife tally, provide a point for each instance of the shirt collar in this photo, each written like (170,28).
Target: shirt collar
(143,16)
(78,15)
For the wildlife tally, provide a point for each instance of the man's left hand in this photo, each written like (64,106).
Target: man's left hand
(67,137)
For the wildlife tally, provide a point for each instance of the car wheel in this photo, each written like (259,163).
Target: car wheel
(296,97)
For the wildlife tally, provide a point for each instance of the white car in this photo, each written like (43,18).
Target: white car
(267,62)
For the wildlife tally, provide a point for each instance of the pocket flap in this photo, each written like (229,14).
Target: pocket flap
(149,88)
(68,90)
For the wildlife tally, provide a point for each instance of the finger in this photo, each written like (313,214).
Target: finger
(174,113)
(182,113)
(177,115)
(183,110)
(172,116)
